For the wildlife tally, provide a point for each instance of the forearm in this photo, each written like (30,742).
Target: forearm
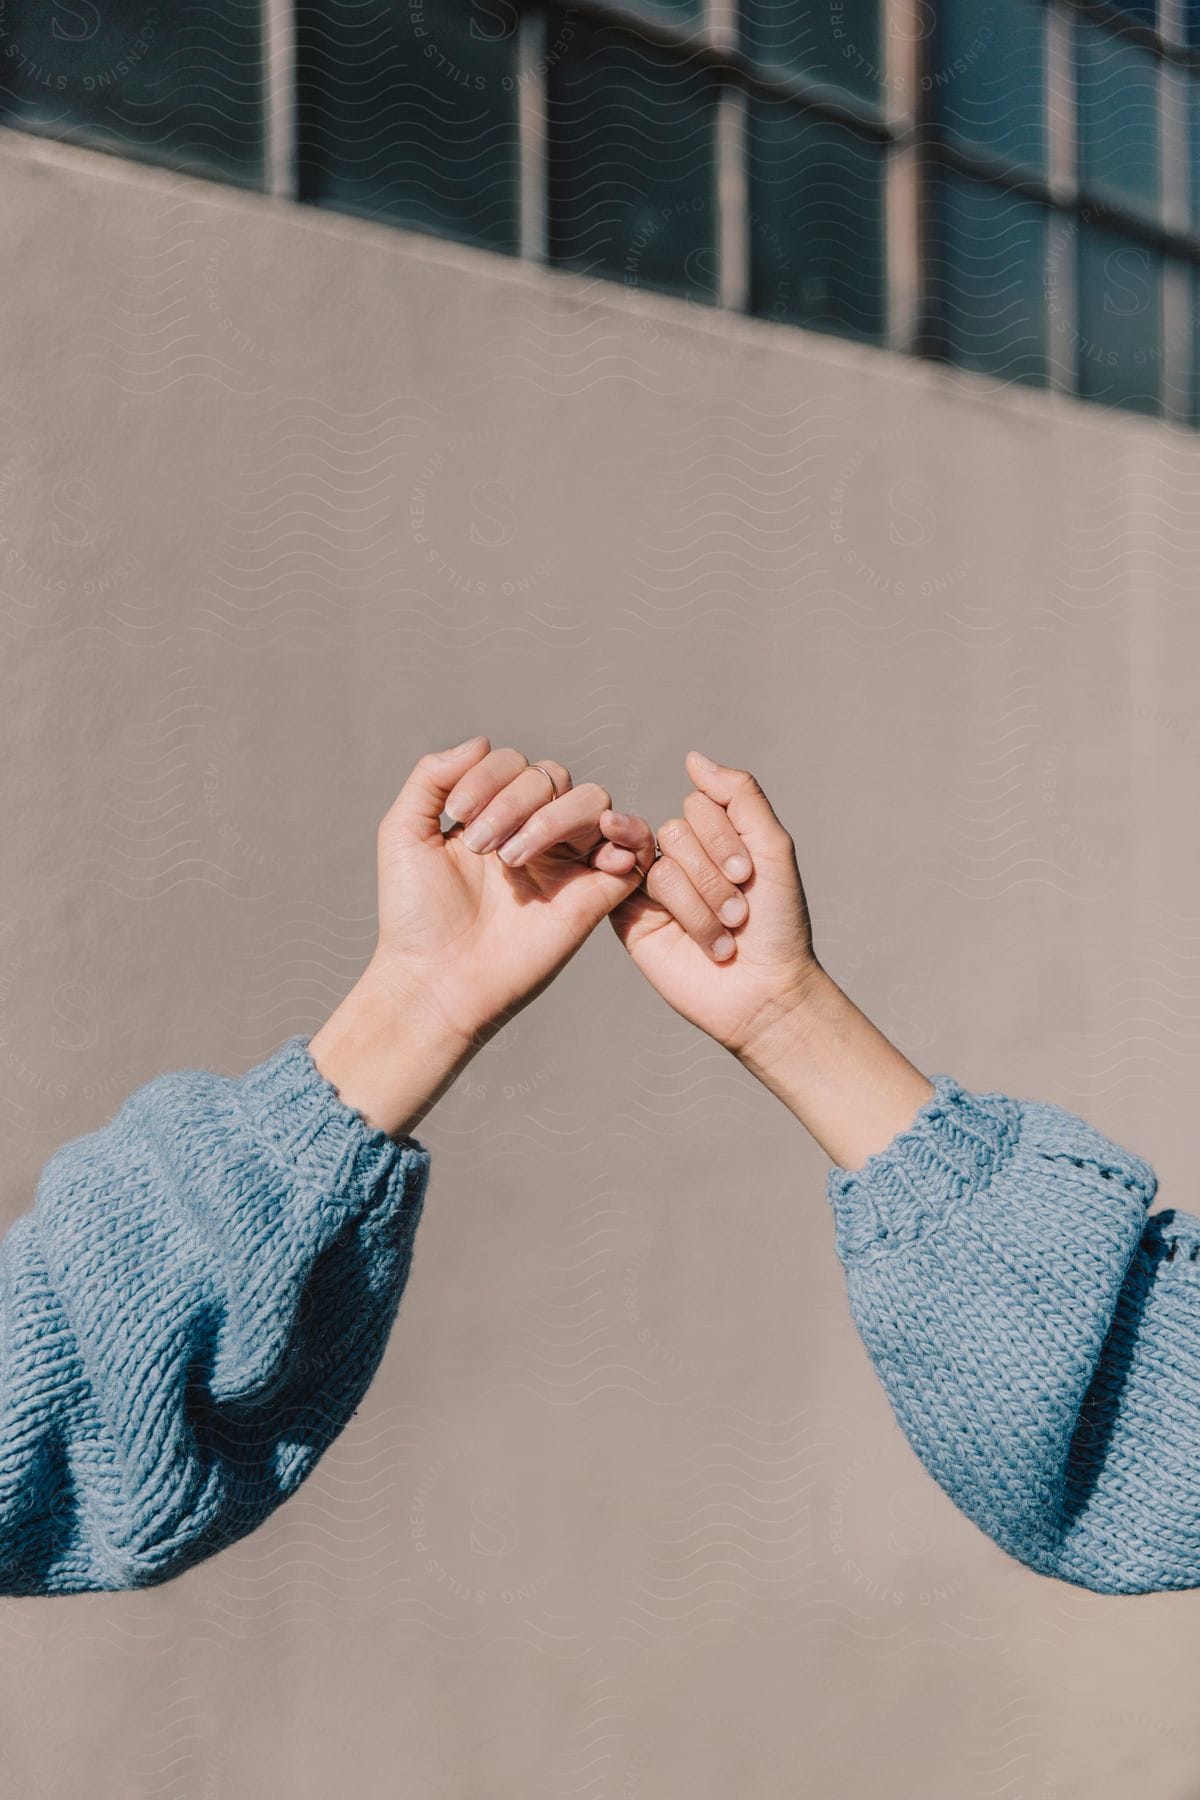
(388,1052)
(849,1087)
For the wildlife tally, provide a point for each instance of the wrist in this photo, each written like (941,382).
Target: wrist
(848,1085)
(390,1051)
(786,1025)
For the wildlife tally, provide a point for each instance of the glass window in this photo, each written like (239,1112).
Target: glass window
(1193,106)
(679,12)
(816,223)
(176,85)
(985,77)
(835,41)
(1117,103)
(1138,12)
(631,185)
(1119,342)
(407,111)
(989,285)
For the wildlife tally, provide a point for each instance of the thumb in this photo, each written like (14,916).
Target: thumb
(417,809)
(596,894)
(750,812)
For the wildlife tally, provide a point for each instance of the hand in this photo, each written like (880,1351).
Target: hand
(761,992)
(477,935)
(722,927)
(467,937)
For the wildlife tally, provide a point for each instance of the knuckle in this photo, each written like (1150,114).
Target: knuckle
(672,832)
(704,928)
(709,882)
(663,879)
(677,891)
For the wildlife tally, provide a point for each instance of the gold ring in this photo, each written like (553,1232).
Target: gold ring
(644,872)
(550,779)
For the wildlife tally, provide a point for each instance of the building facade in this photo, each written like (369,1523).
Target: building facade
(812,385)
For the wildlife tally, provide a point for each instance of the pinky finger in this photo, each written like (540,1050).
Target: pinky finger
(631,836)
(613,860)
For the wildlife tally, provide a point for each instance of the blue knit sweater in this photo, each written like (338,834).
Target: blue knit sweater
(1037,1333)
(205,1286)
(188,1317)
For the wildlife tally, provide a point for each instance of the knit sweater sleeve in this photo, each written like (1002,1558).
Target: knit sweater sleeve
(189,1315)
(1037,1332)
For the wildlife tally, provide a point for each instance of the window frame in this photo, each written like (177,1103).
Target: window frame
(915,151)
(1165,229)
(713,42)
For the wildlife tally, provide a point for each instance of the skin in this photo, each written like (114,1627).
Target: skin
(477,919)
(467,939)
(769,1001)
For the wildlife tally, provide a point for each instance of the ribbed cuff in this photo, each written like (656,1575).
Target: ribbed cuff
(297,1112)
(954,1146)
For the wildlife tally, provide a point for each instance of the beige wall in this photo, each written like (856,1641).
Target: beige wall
(286,498)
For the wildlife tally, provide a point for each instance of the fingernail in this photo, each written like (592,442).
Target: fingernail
(723,948)
(737,868)
(733,911)
(705,762)
(480,836)
(512,851)
(457,747)
(619,819)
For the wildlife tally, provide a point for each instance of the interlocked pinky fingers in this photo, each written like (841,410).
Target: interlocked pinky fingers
(628,845)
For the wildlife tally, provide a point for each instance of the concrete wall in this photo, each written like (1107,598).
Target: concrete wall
(285,499)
